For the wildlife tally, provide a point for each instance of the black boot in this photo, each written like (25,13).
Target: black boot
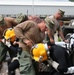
(12,67)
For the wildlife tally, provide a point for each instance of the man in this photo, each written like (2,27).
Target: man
(9,22)
(9,43)
(30,32)
(61,64)
(57,53)
(5,23)
(55,26)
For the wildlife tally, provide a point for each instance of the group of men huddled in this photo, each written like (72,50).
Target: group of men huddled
(24,36)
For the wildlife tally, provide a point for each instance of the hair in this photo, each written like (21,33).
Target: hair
(36,19)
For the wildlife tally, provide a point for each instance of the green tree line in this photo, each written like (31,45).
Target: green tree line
(71,0)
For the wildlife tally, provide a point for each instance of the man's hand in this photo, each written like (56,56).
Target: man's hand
(28,42)
(15,42)
(66,41)
(52,41)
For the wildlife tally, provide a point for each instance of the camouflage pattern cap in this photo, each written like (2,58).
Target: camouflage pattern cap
(49,23)
(1,20)
(61,12)
(20,18)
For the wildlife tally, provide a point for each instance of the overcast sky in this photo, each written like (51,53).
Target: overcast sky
(52,0)
(29,1)
(35,0)
(47,0)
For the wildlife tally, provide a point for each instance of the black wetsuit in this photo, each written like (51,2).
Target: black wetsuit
(12,66)
(60,55)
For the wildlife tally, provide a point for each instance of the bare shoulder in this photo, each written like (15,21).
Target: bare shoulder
(9,18)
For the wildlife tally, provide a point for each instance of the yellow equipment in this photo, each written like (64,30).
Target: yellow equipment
(40,52)
(9,34)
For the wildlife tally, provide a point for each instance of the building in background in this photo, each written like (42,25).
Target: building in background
(35,7)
